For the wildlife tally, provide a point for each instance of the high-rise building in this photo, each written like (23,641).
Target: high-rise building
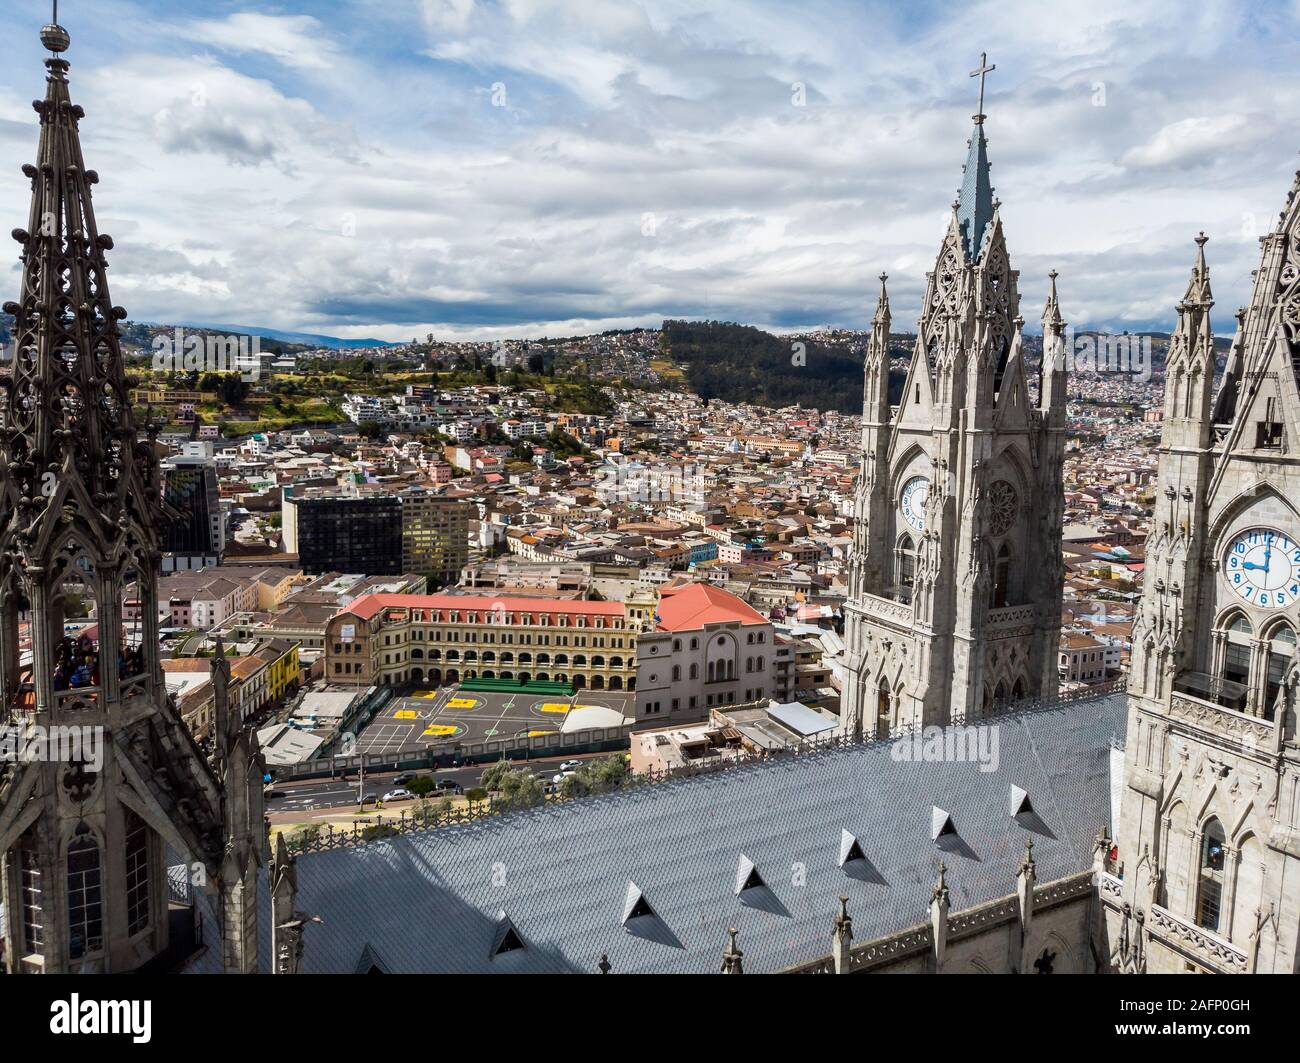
(193,534)
(955,577)
(435,535)
(87,822)
(372,530)
(349,530)
(1209,838)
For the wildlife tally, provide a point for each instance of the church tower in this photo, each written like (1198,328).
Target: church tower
(103,780)
(955,577)
(1209,838)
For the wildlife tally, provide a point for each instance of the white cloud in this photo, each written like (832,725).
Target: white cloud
(384,194)
(1191,140)
(295,40)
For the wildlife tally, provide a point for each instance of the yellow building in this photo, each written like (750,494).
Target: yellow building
(398,639)
(282,667)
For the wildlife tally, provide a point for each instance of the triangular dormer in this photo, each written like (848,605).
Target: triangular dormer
(635,904)
(941,823)
(747,876)
(505,938)
(850,848)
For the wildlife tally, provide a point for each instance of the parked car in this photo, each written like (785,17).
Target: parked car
(558,779)
(570,765)
(399,794)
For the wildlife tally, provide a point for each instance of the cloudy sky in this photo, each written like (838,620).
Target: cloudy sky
(530,167)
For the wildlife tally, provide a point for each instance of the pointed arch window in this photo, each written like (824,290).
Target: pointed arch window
(137,874)
(1209,896)
(1281,651)
(85,894)
(884,707)
(1236,651)
(905,567)
(1002,577)
(31,890)
(1189,395)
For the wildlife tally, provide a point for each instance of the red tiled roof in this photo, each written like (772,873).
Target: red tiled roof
(697,604)
(368,605)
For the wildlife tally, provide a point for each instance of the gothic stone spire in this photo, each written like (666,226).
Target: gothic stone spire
(66,433)
(79,503)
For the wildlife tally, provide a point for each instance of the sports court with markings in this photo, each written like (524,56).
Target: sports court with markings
(430,717)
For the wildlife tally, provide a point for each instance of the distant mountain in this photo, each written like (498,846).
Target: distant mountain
(305,338)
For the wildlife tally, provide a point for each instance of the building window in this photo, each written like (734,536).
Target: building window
(1281,651)
(905,567)
(137,874)
(1002,577)
(85,897)
(1210,894)
(30,889)
(1236,654)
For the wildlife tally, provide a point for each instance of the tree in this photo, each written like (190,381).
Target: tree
(522,787)
(596,776)
(492,776)
(234,389)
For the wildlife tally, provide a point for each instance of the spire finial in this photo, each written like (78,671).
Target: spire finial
(980,72)
(1028,863)
(731,959)
(54,36)
(1052,320)
(941,886)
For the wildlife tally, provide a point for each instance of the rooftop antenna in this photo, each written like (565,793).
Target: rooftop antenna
(983,69)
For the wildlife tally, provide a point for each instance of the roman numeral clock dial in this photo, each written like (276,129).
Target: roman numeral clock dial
(1263,567)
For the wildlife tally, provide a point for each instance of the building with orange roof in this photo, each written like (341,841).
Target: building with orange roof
(707,649)
(435,639)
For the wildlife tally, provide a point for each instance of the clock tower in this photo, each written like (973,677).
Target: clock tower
(1209,838)
(955,575)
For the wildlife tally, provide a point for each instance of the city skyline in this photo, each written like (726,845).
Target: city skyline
(554,170)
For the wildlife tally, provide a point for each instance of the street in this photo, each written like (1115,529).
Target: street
(309,795)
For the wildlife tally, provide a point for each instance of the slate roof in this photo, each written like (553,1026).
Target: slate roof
(975,199)
(433,901)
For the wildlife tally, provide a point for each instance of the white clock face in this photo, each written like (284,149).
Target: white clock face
(1263,567)
(915,493)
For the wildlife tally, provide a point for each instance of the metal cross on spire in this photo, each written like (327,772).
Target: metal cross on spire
(984,68)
